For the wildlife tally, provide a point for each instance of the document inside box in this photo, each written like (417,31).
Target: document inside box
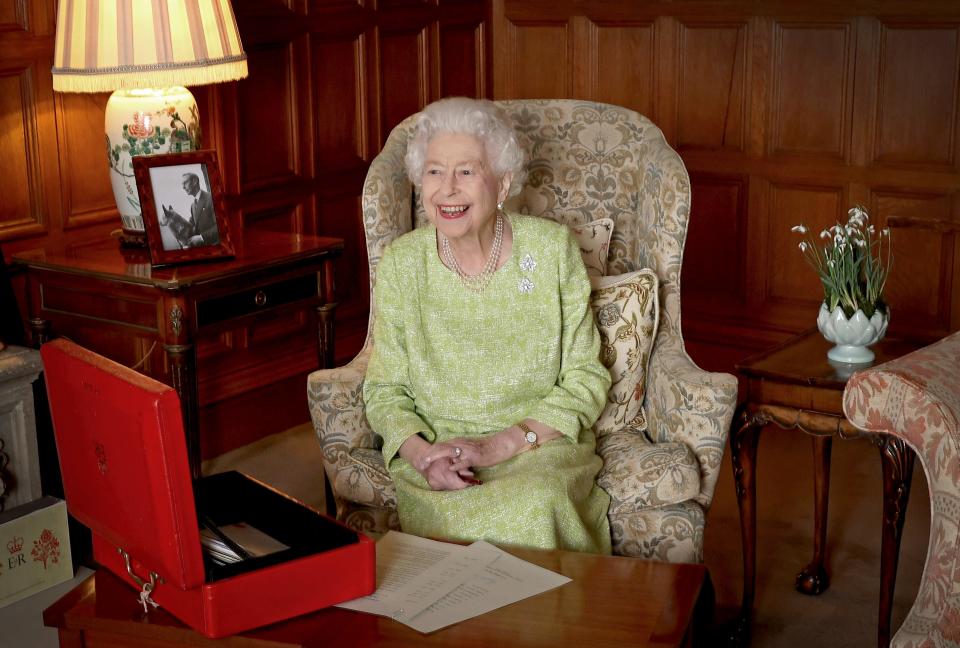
(235,542)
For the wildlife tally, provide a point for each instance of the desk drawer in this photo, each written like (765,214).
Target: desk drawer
(254,300)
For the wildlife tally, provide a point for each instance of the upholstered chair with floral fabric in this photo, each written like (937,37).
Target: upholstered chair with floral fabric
(585,161)
(917,398)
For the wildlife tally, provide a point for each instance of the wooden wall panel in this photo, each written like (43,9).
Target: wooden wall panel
(917,104)
(712,82)
(404,78)
(813,82)
(923,257)
(719,223)
(87,193)
(9,18)
(783,113)
(631,85)
(268,104)
(19,150)
(337,68)
(462,73)
(542,61)
(788,276)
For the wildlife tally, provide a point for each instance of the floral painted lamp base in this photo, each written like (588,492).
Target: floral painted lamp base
(852,336)
(145,122)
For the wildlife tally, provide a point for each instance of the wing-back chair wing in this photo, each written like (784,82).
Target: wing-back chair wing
(585,161)
(917,398)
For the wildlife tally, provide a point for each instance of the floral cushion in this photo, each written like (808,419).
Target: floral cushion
(638,474)
(625,308)
(594,241)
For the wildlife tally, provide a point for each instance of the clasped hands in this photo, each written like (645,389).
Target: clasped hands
(449,465)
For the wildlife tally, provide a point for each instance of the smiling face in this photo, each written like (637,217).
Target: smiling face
(460,192)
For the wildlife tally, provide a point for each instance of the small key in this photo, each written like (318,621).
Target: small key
(145,597)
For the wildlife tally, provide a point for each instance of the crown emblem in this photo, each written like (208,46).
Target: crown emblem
(15,545)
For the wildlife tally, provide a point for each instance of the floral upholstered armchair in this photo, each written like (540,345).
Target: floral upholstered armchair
(917,398)
(585,161)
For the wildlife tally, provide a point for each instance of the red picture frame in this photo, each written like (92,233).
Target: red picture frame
(184,214)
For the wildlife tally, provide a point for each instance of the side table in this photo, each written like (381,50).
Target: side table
(795,386)
(112,301)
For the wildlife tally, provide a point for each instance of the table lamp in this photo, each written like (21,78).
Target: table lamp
(145,51)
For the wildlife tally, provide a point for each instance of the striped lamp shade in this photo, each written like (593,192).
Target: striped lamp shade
(105,45)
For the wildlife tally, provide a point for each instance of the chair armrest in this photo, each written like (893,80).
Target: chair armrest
(686,404)
(915,397)
(348,443)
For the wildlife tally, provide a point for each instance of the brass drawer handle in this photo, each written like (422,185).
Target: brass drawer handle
(260,298)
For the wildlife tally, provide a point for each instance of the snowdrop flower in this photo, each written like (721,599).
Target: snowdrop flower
(824,234)
(799,228)
(870,229)
(803,246)
(885,231)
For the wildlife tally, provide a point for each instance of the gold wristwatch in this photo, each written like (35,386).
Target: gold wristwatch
(528,435)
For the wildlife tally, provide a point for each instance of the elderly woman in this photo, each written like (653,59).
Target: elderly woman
(485,378)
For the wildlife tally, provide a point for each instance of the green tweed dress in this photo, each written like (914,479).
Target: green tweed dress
(449,362)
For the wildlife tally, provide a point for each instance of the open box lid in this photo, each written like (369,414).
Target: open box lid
(123,456)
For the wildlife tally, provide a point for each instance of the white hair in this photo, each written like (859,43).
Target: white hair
(480,118)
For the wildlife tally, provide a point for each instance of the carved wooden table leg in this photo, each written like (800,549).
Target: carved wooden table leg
(897,461)
(813,579)
(40,331)
(325,335)
(743,451)
(183,370)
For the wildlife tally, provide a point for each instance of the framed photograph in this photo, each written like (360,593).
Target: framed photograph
(181,199)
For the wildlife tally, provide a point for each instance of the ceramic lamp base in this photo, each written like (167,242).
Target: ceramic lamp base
(147,121)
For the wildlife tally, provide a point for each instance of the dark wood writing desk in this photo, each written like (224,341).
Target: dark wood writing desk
(612,601)
(795,386)
(112,301)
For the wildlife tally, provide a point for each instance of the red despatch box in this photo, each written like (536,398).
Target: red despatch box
(123,456)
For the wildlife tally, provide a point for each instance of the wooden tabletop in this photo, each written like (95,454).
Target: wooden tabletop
(105,258)
(611,601)
(803,360)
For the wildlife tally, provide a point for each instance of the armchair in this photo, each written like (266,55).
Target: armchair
(917,398)
(585,161)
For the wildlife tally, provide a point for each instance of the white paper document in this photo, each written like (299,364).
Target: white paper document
(429,585)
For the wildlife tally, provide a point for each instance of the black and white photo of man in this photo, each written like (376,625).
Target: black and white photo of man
(191,196)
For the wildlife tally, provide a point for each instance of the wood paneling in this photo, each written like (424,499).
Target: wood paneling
(462,68)
(917,103)
(784,113)
(532,44)
(19,150)
(813,81)
(788,278)
(719,223)
(712,82)
(328,81)
(267,110)
(631,85)
(87,194)
(404,78)
(337,68)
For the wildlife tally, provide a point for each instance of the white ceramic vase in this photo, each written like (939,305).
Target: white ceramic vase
(145,122)
(851,336)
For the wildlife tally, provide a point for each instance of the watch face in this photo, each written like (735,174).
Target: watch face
(531,437)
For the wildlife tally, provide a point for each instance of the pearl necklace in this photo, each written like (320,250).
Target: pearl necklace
(477,283)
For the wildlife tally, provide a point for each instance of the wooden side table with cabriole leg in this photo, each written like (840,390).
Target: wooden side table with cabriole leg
(795,387)
(112,301)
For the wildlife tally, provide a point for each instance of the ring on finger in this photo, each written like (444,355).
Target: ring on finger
(457,452)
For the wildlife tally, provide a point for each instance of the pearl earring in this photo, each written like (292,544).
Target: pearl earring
(500,205)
